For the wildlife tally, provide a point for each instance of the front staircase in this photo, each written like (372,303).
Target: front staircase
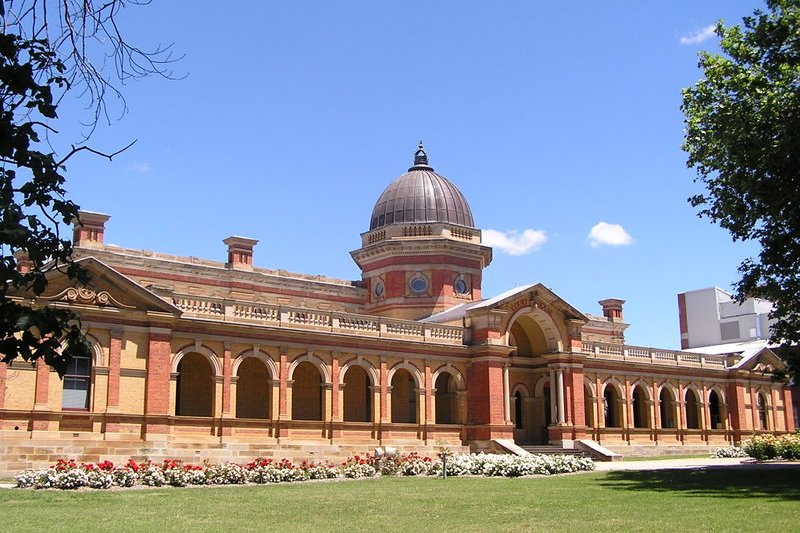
(546,449)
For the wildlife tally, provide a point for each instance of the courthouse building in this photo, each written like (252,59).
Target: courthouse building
(196,358)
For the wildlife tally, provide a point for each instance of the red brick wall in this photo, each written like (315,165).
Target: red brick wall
(158,372)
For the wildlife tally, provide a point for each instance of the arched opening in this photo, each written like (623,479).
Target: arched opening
(77,384)
(763,421)
(641,415)
(527,335)
(715,411)
(518,422)
(692,410)
(357,395)
(666,409)
(194,393)
(446,399)
(307,392)
(404,398)
(612,408)
(252,389)
(588,406)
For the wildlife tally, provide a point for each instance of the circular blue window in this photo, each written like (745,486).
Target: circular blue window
(379,289)
(461,286)
(418,284)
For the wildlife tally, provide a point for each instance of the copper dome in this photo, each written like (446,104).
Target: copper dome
(421,195)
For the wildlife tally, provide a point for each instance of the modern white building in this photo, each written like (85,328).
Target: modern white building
(710,317)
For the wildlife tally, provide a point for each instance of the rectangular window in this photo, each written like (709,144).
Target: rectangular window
(729,331)
(76,393)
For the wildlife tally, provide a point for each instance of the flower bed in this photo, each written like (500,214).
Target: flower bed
(67,474)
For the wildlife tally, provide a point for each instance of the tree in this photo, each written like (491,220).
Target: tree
(47,49)
(743,138)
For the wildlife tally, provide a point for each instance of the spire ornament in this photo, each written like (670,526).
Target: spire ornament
(420,157)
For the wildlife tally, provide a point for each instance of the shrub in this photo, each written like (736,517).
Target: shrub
(761,447)
(358,467)
(730,451)
(225,473)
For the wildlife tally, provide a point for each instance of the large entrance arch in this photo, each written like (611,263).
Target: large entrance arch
(532,331)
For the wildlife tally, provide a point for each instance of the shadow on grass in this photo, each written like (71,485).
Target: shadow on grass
(773,481)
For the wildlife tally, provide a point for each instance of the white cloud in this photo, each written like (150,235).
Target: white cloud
(515,242)
(609,234)
(140,168)
(698,36)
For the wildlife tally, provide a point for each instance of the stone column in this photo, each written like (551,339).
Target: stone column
(226,380)
(773,400)
(560,396)
(681,405)
(506,396)
(600,403)
(553,400)
(429,406)
(336,415)
(384,386)
(754,409)
(283,393)
(656,409)
(627,423)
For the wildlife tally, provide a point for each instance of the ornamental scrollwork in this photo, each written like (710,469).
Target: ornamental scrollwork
(87,295)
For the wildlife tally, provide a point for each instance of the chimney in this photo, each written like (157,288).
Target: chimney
(240,252)
(612,309)
(88,229)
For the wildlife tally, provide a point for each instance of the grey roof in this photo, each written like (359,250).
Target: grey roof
(460,310)
(421,195)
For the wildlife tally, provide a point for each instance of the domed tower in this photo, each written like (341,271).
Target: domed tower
(422,253)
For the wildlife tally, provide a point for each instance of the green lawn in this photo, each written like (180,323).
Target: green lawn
(716,499)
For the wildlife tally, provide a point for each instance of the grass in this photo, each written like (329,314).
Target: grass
(715,499)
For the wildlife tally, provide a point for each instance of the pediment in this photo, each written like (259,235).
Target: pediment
(532,296)
(106,288)
(764,361)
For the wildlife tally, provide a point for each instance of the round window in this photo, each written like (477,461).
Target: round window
(461,286)
(379,289)
(418,284)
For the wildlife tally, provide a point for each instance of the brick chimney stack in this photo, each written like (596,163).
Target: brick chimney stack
(240,252)
(612,309)
(88,229)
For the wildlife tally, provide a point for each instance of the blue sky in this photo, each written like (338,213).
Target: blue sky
(552,118)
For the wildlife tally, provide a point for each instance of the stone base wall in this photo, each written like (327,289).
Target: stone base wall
(18,454)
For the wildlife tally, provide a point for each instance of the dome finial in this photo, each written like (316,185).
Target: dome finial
(420,157)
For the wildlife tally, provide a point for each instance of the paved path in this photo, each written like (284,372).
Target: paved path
(700,462)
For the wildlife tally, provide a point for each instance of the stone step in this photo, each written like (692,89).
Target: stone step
(552,450)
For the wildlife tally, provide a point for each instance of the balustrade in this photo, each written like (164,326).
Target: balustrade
(333,321)
(601,350)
